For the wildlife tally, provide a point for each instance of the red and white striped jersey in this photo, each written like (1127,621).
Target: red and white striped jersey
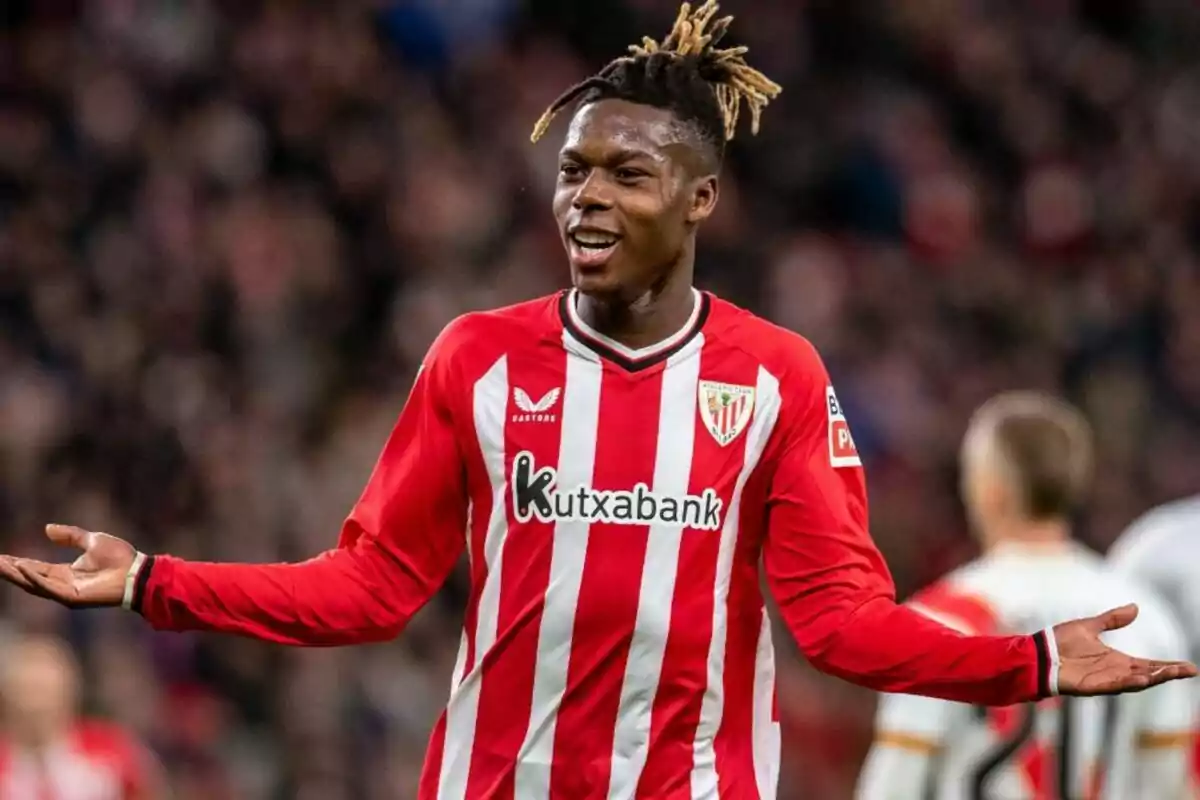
(95,761)
(616,506)
(1104,748)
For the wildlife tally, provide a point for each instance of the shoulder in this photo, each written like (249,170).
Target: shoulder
(962,600)
(106,743)
(1157,630)
(471,342)
(103,739)
(1153,541)
(786,354)
(801,391)
(791,362)
(537,318)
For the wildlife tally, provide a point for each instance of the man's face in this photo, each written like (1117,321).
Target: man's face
(38,689)
(630,191)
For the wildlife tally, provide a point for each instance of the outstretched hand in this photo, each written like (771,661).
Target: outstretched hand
(1090,667)
(96,578)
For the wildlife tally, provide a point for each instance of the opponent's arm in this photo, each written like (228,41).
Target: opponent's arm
(836,595)
(1164,741)
(910,732)
(396,549)
(1163,766)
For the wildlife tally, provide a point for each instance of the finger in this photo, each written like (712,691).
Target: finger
(1139,675)
(40,567)
(1173,672)
(1148,665)
(10,573)
(49,587)
(1180,669)
(1117,618)
(68,536)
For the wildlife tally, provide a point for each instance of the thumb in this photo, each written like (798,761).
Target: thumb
(68,536)
(1117,618)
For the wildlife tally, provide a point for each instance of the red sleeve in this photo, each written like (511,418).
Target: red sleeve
(396,548)
(834,590)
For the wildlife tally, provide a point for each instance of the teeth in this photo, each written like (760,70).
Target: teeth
(591,239)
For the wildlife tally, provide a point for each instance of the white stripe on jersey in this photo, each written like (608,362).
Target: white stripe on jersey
(490,402)
(704,757)
(672,474)
(576,462)
(766,732)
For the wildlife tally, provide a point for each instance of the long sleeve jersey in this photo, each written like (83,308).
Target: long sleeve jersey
(615,506)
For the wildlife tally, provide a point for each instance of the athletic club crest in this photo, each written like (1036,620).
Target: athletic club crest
(725,409)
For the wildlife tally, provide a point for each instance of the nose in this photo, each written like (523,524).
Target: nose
(594,194)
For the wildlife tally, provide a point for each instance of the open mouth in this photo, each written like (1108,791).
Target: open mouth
(592,248)
(594,240)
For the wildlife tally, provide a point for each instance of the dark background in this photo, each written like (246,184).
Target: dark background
(228,231)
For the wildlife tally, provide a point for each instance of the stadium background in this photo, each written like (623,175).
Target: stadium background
(228,231)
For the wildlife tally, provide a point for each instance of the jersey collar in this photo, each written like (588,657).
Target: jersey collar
(629,358)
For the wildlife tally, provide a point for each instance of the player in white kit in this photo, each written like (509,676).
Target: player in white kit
(1026,463)
(1162,548)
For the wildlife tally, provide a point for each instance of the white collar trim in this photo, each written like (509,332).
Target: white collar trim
(641,352)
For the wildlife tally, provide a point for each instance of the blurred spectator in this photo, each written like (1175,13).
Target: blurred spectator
(47,751)
(228,231)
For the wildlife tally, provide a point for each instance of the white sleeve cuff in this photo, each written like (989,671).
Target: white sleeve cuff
(131,577)
(1054,661)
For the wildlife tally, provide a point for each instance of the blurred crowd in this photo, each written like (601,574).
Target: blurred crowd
(228,231)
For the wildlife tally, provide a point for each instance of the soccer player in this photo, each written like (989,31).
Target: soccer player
(1162,547)
(1026,463)
(616,460)
(47,752)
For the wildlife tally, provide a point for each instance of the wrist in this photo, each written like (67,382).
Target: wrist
(135,581)
(1047,662)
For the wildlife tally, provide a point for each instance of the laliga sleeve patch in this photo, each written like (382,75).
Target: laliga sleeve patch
(842,452)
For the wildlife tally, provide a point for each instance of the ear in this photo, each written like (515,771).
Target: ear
(704,199)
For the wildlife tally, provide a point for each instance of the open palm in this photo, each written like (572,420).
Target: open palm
(1090,667)
(1086,665)
(95,578)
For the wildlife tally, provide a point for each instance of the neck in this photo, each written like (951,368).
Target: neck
(1048,534)
(647,317)
(36,739)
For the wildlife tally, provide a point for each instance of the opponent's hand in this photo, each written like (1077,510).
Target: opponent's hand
(1090,667)
(96,578)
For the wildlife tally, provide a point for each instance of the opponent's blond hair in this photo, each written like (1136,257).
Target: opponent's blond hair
(1045,445)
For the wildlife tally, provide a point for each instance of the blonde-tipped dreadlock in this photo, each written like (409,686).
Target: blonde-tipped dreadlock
(686,73)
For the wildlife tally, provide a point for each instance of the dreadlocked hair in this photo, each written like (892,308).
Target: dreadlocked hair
(686,73)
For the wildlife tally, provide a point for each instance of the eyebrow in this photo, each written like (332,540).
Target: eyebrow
(619,156)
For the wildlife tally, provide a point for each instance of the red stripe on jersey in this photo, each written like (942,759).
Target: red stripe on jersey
(508,668)
(431,771)
(684,673)
(608,595)
(1196,761)
(734,745)
(685,664)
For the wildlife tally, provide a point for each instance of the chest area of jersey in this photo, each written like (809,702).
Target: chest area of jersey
(582,441)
